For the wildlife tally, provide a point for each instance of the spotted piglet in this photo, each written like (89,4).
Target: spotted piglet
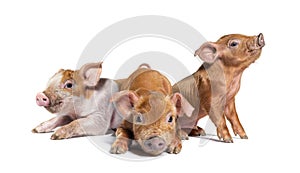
(81,102)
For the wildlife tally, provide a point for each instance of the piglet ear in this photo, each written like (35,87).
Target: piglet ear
(90,73)
(182,105)
(207,52)
(124,102)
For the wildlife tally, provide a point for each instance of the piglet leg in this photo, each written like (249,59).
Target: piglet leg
(122,142)
(218,118)
(197,131)
(51,124)
(182,134)
(89,126)
(231,115)
(223,132)
(175,146)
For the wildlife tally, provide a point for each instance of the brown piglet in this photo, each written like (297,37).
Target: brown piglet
(150,111)
(212,88)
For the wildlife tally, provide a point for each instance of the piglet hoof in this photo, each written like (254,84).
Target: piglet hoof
(183,135)
(244,137)
(60,134)
(201,131)
(197,131)
(56,137)
(224,134)
(40,129)
(119,147)
(241,133)
(228,140)
(175,147)
(34,131)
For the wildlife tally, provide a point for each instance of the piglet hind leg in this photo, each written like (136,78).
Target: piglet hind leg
(197,131)
(232,117)
(123,140)
(182,134)
(51,124)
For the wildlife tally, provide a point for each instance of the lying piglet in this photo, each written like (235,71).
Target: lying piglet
(150,111)
(217,81)
(81,101)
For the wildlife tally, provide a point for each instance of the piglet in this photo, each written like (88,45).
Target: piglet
(150,111)
(81,102)
(213,87)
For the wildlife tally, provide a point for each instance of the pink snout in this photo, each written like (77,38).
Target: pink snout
(42,100)
(155,144)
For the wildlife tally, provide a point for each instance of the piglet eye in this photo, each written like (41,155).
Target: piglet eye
(170,119)
(233,43)
(68,85)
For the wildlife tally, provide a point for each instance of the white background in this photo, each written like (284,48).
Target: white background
(37,38)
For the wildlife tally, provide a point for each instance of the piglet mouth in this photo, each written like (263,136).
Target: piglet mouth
(56,103)
(55,106)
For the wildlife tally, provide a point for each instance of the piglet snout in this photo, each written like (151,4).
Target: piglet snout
(155,144)
(260,40)
(42,100)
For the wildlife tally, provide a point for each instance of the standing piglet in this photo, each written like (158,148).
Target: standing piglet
(150,112)
(81,101)
(212,88)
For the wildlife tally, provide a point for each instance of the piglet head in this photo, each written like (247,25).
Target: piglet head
(63,85)
(232,50)
(153,117)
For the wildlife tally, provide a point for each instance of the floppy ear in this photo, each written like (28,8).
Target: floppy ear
(90,73)
(124,102)
(182,105)
(207,52)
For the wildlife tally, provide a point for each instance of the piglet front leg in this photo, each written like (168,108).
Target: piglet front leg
(51,124)
(175,146)
(120,146)
(89,126)
(67,131)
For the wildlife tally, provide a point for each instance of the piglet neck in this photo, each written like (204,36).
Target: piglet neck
(215,71)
